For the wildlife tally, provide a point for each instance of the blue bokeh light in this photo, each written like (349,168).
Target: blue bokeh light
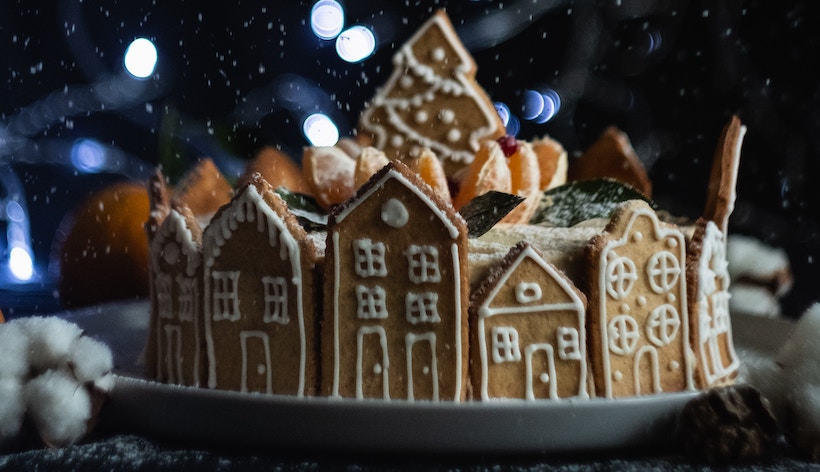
(327,17)
(140,58)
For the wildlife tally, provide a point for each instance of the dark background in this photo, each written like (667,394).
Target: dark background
(233,76)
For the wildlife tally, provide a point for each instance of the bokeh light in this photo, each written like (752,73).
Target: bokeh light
(320,130)
(327,17)
(141,58)
(88,155)
(540,106)
(355,44)
(21,264)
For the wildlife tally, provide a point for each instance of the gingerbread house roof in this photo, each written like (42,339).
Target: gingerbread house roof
(398,171)
(180,227)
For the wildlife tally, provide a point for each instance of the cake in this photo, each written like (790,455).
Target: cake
(378,285)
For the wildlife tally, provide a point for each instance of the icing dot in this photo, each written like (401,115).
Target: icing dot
(396,140)
(672,242)
(406,81)
(544,378)
(438,54)
(670,297)
(421,116)
(394,213)
(624,308)
(617,375)
(674,365)
(426,370)
(453,135)
(641,300)
(261,369)
(446,115)
(637,236)
(377,369)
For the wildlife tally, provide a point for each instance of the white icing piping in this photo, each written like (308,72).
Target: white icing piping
(410,340)
(394,174)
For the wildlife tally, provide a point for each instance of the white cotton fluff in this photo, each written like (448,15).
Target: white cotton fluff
(92,362)
(800,354)
(13,352)
(59,407)
(12,409)
(50,340)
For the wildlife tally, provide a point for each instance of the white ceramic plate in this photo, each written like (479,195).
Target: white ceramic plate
(255,420)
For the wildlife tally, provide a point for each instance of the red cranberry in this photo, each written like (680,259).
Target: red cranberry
(509,145)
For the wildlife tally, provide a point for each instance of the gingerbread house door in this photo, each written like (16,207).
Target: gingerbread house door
(372,363)
(173,348)
(646,359)
(256,368)
(422,368)
(540,364)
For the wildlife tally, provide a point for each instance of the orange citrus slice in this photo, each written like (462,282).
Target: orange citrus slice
(552,162)
(279,169)
(488,171)
(525,182)
(429,168)
(370,161)
(329,175)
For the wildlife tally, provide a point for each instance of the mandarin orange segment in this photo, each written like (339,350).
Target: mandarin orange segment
(525,182)
(279,169)
(488,171)
(429,168)
(370,161)
(329,175)
(552,162)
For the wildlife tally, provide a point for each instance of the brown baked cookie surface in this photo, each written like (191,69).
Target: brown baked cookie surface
(396,293)
(528,337)
(432,101)
(638,318)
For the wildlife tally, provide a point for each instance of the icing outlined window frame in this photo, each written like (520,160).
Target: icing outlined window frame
(368,258)
(422,307)
(163,286)
(186,300)
(225,299)
(276,300)
(423,264)
(505,344)
(569,343)
(371,302)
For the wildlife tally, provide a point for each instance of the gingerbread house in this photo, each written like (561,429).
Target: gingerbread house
(260,323)
(528,336)
(176,267)
(396,293)
(711,326)
(639,326)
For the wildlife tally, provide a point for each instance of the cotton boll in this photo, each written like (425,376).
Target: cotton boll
(50,340)
(91,362)
(13,352)
(800,355)
(59,407)
(12,409)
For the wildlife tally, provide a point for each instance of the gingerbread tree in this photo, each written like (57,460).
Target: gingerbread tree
(432,100)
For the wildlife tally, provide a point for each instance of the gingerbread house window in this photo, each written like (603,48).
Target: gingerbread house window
(371,302)
(569,346)
(276,300)
(662,325)
(663,270)
(226,298)
(620,277)
(423,264)
(720,307)
(422,307)
(187,295)
(369,258)
(163,287)
(505,344)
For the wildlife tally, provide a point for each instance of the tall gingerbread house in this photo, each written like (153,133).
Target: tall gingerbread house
(639,326)
(260,322)
(408,342)
(176,266)
(528,336)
